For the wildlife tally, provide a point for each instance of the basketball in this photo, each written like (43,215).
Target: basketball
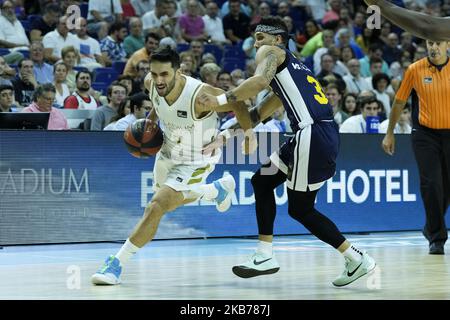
(143,138)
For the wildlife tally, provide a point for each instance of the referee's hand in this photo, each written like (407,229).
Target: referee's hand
(388,144)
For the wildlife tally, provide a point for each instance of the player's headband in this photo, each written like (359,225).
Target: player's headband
(269,29)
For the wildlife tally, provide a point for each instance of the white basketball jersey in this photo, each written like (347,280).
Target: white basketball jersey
(184,135)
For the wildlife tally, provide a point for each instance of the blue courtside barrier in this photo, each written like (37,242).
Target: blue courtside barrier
(58,187)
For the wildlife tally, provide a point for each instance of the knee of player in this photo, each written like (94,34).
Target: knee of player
(155,208)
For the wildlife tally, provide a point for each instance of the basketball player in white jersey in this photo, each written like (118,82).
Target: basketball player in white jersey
(180,169)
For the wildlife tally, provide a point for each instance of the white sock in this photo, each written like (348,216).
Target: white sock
(126,252)
(208,191)
(265,248)
(353,254)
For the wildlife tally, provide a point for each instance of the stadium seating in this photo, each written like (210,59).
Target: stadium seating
(215,50)
(119,66)
(106,75)
(100,86)
(230,64)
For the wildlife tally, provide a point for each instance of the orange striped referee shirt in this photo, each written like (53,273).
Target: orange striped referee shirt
(430,85)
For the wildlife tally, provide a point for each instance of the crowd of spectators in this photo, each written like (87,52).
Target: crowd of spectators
(52,60)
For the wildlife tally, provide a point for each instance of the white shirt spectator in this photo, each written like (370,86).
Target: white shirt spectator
(214,28)
(399,129)
(354,124)
(150,20)
(123,123)
(318,8)
(59,98)
(88,49)
(384,98)
(389,89)
(355,85)
(57,42)
(339,67)
(14,33)
(104,8)
(142,6)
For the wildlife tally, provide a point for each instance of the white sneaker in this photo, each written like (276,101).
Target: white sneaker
(354,270)
(225,186)
(257,265)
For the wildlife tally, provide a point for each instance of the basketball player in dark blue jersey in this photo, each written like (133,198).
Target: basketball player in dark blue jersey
(305,162)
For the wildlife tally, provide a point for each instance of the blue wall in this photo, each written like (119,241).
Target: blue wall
(84,186)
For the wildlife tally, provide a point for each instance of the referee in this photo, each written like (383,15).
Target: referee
(428,80)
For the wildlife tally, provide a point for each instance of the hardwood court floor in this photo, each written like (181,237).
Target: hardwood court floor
(201,269)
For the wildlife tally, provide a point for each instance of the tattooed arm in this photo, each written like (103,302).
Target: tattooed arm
(418,24)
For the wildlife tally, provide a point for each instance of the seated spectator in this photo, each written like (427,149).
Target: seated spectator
(209,73)
(123,111)
(292,33)
(62,90)
(312,28)
(208,58)
(12,33)
(46,23)
(127,9)
(80,98)
(224,81)
(56,40)
(140,106)
(214,25)
(191,23)
(344,39)
(142,6)
(375,52)
(102,116)
(7,98)
(339,67)
(152,20)
(347,54)
(357,124)
(349,104)
(4,76)
(101,14)
(188,59)
(334,97)
(263,11)
(327,65)
(403,125)
(391,51)
(278,122)
(236,24)
(25,83)
(143,68)
(367,38)
(127,82)
(112,46)
(135,40)
(354,82)
(43,99)
(43,72)
(197,48)
(170,27)
(151,43)
(334,12)
(90,54)
(236,76)
(71,58)
(327,42)
(380,83)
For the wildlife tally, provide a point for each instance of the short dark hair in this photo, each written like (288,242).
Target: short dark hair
(114,84)
(4,87)
(362,101)
(136,100)
(378,77)
(152,35)
(166,54)
(375,60)
(82,71)
(116,26)
(21,62)
(52,7)
(278,23)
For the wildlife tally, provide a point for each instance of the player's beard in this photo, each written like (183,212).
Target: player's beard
(168,89)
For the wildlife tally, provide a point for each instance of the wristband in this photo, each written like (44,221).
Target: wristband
(222,99)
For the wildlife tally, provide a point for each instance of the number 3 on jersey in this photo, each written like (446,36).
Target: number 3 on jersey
(320,97)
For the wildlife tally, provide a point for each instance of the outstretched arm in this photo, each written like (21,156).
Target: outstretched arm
(268,58)
(418,24)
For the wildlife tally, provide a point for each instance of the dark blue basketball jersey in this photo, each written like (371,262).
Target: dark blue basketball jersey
(301,93)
